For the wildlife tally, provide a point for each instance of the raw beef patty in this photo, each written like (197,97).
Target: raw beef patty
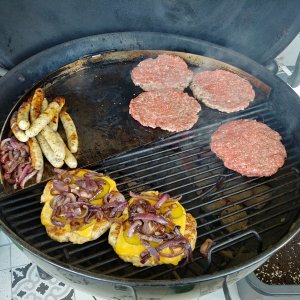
(165,71)
(249,147)
(169,109)
(222,90)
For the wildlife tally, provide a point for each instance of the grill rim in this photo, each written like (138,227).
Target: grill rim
(135,282)
(240,61)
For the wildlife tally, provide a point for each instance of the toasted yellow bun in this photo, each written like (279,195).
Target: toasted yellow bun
(131,253)
(86,233)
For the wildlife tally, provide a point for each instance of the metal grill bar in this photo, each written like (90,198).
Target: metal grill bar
(259,110)
(249,207)
(239,220)
(178,164)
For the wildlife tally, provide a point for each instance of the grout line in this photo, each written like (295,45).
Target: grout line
(11,293)
(5,244)
(11,278)
(5,269)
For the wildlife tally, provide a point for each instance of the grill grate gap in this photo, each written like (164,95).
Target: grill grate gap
(180,164)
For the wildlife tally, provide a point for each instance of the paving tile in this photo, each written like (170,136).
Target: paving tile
(27,284)
(79,295)
(18,258)
(4,257)
(5,285)
(4,240)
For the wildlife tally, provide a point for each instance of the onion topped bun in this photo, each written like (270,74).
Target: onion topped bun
(79,205)
(156,230)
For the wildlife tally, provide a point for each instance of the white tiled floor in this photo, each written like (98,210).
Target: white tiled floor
(5,257)
(20,280)
(18,274)
(17,257)
(5,284)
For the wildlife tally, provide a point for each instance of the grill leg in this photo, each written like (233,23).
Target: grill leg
(226,290)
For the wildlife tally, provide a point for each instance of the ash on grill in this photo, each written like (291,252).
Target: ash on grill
(282,268)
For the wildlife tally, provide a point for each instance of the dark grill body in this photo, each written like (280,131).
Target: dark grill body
(180,164)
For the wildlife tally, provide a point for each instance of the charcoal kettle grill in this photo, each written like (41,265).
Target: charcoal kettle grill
(181,164)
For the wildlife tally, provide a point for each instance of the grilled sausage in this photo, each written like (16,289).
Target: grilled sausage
(23,115)
(49,154)
(54,122)
(36,104)
(39,175)
(18,133)
(44,104)
(36,155)
(60,101)
(70,159)
(54,142)
(70,130)
(42,120)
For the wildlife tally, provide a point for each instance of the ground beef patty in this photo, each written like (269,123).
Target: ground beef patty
(165,71)
(249,147)
(222,90)
(169,109)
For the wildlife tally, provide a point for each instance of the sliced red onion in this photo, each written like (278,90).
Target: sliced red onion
(162,199)
(77,192)
(152,251)
(139,196)
(174,254)
(56,222)
(25,172)
(133,227)
(29,176)
(54,202)
(10,155)
(151,217)
(67,179)
(5,158)
(16,161)
(150,238)
(147,227)
(79,214)
(23,151)
(60,171)
(168,214)
(111,205)
(99,214)
(171,243)
(150,228)
(85,194)
(204,248)
(71,196)
(16,154)
(60,186)
(118,209)
(7,176)
(13,166)
(3,142)
(177,231)
(15,143)
(100,189)
(141,206)
(114,197)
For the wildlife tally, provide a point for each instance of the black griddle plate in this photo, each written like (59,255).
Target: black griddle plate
(98,90)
